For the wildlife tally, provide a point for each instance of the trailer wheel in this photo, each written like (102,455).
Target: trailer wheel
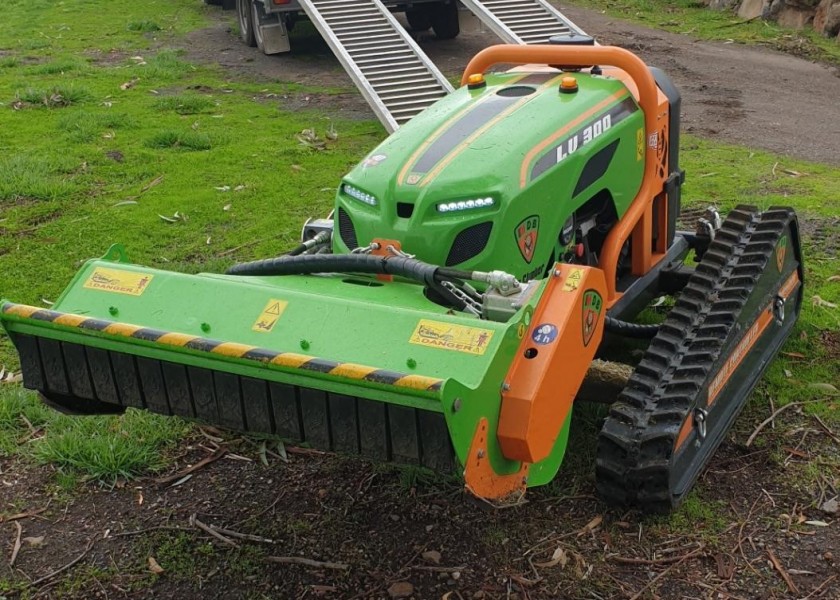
(244,15)
(444,20)
(418,18)
(259,42)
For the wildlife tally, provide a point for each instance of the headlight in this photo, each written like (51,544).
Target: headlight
(359,195)
(445,207)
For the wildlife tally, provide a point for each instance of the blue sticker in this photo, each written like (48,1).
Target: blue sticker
(544,334)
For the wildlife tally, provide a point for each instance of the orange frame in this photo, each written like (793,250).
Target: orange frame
(638,221)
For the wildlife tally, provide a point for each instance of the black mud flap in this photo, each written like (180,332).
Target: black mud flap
(83,380)
(727,325)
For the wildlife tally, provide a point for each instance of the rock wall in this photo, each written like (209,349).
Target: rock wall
(822,15)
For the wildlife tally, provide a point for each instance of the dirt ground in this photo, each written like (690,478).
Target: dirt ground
(745,95)
(373,532)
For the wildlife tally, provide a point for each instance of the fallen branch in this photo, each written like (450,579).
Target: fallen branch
(826,429)
(23,515)
(16,547)
(629,560)
(242,536)
(148,529)
(819,590)
(653,581)
(307,562)
(780,568)
(438,569)
(769,419)
(200,464)
(69,565)
(206,528)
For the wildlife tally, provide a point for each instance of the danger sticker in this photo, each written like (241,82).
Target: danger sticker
(118,282)
(573,280)
(269,316)
(435,334)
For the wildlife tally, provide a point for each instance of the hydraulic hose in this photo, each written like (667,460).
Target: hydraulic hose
(628,329)
(400,266)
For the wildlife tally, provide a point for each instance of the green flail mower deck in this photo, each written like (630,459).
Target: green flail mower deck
(405,381)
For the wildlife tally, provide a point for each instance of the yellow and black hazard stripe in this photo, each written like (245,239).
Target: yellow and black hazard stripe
(304,362)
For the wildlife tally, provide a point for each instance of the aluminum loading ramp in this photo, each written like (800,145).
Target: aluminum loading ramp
(522,21)
(394,75)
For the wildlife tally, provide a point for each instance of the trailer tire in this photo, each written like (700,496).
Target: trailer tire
(444,20)
(244,15)
(259,42)
(418,18)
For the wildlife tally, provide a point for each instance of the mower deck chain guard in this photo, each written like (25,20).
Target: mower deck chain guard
(732,317)
(86,380)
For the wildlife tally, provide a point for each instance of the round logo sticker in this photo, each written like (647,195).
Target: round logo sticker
(544,334)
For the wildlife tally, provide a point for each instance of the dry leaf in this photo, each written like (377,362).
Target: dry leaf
(401,589)
(129,84)
(793,354)
(592,525)
(559,557)
(432,556)
(34,541)
(226,207)
(154,567)
(824,387)
(834,278)
(817,523)
(126,203)
(817,301)
(239,188)
(223,188)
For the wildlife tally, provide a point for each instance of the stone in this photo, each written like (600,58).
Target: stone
(401,589)
(750,9)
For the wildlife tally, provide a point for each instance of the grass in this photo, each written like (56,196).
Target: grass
(103,448)
(57,96)
(183,140)
(185,104)
(694,18)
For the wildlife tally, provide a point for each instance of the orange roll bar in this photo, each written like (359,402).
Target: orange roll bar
(584,56)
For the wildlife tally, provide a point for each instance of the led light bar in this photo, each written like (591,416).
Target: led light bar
(465,204)
(360,195)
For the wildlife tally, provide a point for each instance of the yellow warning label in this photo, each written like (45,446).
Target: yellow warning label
(640,143)
(435,334)
(119,282)
(269,316)
(573,280)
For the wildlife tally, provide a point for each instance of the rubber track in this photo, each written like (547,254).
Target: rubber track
(636,444)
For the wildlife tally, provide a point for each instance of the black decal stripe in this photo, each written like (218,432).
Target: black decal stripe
(618,112)
(94,324)
(150,335)
(261,354)
(202,344)
(537,78)
(461,130)
(45,315)
(384,376)
(596,167)
(319,365)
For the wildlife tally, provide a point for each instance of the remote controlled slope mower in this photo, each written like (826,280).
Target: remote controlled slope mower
(448,312)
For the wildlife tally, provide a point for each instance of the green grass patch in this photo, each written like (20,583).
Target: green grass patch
(58,67)
(108,448)
(185,104)
(103,448)
(143,25)
(180,140)
(28,177)
(57,96)
(696,19)
(84,127)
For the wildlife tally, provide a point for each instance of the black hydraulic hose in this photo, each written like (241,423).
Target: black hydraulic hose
(628,329)
(297,250)
(400,266)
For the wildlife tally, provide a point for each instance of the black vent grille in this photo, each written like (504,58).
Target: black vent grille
(346,230)
(469,243)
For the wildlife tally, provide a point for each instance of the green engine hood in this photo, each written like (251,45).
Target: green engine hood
(519,156)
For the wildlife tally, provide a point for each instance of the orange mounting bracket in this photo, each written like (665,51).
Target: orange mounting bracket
(385,247)
(482,481)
